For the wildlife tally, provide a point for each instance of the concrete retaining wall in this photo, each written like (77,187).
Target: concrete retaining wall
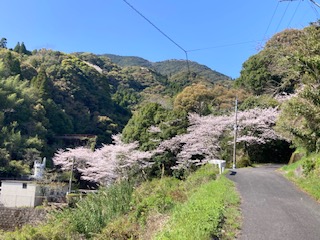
(11,218)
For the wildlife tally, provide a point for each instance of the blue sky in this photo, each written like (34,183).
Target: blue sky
(228,32)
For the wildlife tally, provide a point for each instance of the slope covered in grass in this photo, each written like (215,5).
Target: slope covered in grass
(200,204)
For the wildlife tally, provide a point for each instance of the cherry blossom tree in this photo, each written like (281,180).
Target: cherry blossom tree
(256,126)
(64,158)
(106,164)
(202,142)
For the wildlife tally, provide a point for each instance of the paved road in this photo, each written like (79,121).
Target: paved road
(273,208)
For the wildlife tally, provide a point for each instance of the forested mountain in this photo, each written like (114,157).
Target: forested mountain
(126,61)
(50,99)
(170,68)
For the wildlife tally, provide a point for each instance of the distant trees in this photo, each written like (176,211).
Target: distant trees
(203,100)
(196,98)
(273,70)
(3,43)
(42,84)
(43,97)
(21,48)
(139,127)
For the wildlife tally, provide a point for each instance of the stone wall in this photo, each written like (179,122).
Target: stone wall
(11,218)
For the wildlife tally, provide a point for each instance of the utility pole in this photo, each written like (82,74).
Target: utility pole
(235,133)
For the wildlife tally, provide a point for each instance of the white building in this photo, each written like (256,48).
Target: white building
(20,194)
(32,192)
(16,193)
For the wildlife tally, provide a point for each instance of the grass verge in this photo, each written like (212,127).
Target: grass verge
(305,173)
(203,216)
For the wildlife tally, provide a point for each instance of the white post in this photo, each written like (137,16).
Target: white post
(71,175)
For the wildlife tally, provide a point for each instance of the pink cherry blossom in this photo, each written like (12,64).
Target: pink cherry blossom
(106,164)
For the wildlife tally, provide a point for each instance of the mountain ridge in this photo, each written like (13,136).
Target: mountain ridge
(168,67)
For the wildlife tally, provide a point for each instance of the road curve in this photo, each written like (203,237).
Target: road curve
(273,208)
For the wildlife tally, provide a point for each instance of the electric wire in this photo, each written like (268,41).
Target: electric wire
(159,30)
(222,46)
(314,8)
(285,11)
(295,11)
(274,13)
(315,3)
(226,45)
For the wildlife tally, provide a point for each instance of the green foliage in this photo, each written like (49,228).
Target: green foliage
(124,61)
(157,195)
(198,71)
(276,151)
(18,168)
(262,101)
(171,67)
(288,58)
(50,94)
(91,214)
(21,48)
(306,174)
(11,63)
(153,114)
(254,74)
(42,84)
(195,98)
(299,119)
(3,43)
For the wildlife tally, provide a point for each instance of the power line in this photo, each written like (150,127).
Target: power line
(274,13)
(311,3)
(314,8)
(285,11)
(159,30)
(295,11)
(222,46)
(315,3)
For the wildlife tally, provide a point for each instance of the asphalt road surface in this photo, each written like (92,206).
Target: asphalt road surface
(273,208)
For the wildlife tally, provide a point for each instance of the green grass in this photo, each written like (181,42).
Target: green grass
(309,180)
(89,216)
(203,215)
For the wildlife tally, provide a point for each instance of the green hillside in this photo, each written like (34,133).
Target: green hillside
(169,67)
(170,76)
(125,61)
(54,100)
